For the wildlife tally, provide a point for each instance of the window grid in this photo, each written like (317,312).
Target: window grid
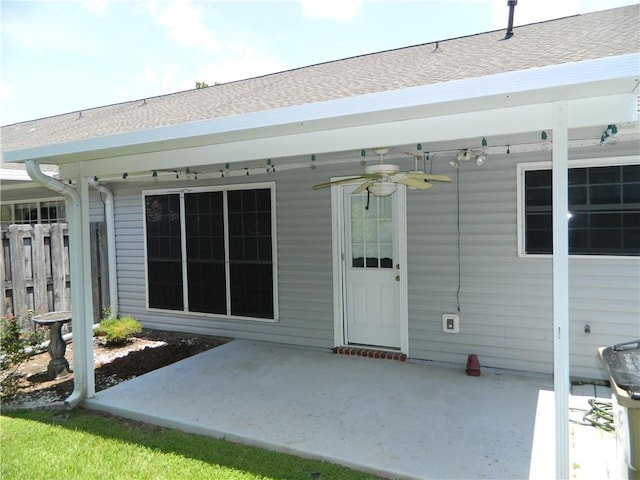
(604,205)
(371,232)
(228,249)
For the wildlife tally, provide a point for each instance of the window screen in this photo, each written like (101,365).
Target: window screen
(228,252)
(604,211)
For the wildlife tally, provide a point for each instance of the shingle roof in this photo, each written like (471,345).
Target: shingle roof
(581,37)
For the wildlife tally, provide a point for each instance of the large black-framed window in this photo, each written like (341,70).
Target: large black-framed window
(604,210)
(226,258)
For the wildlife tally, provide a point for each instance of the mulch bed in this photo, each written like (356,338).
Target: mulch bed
(150,350)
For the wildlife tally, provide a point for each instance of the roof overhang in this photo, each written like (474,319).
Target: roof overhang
(598,92)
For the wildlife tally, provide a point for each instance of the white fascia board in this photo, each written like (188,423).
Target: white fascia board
(598,77)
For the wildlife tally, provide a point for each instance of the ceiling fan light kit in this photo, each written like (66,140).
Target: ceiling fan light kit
(382,189)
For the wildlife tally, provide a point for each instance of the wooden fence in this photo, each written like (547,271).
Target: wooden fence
(34,269)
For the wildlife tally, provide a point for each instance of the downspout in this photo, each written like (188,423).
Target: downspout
(109,215)
(82,354)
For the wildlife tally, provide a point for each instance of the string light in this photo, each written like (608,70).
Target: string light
(609,135)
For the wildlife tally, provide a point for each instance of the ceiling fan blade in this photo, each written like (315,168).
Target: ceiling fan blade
(363,187)
(413,183)
(427,176)
(337,182)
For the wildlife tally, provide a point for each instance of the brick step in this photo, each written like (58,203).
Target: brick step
(370,353)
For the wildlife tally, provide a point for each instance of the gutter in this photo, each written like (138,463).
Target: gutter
(109,215)
(82,357)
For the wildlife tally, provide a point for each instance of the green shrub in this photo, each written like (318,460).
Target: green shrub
(118,330)
(14,340)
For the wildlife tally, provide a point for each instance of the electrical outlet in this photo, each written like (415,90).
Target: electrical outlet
(450,323)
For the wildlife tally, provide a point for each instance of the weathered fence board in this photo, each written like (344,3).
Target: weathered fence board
(34,269)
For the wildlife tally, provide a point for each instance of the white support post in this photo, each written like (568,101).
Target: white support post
(561,382)
(87,317)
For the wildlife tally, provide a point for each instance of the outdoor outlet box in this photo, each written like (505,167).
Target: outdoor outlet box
(450,323)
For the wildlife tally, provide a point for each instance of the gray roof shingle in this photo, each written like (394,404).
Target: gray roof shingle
(588,36)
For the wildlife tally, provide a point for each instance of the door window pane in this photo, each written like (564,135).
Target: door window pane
(371,238)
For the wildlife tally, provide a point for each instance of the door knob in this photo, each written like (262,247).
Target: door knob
(397,278)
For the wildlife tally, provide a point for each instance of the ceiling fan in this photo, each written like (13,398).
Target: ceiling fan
(381,178)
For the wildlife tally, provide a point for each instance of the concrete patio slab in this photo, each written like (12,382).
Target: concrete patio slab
(399,420)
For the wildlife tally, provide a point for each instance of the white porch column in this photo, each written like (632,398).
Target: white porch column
(86,288)
(561,380)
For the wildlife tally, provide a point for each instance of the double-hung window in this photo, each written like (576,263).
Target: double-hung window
(212,251)
(604,209)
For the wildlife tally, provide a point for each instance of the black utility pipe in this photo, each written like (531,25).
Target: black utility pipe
(512,6)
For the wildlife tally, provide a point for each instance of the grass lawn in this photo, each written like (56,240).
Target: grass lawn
(82,444)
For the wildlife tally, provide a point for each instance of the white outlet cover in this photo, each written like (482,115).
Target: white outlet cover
(450,323)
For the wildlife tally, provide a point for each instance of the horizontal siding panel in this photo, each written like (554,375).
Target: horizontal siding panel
(506,303)
(305,278)
(505,300)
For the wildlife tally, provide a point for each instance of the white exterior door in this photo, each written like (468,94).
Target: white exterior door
(373,269)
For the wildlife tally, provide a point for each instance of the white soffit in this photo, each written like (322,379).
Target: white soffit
(605,77)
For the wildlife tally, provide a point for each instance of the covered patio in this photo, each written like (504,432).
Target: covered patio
(395,419)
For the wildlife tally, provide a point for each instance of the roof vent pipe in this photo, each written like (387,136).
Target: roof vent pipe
(512,6)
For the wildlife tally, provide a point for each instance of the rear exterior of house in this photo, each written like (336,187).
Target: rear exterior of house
(250,250)
(504,300)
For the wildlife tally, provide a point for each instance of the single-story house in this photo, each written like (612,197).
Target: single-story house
(218,228)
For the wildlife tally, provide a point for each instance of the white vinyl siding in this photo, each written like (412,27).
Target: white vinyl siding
(505,300)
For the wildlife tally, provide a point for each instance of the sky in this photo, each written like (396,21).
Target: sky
(65,56)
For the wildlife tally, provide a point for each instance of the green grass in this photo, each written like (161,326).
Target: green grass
(82,444)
